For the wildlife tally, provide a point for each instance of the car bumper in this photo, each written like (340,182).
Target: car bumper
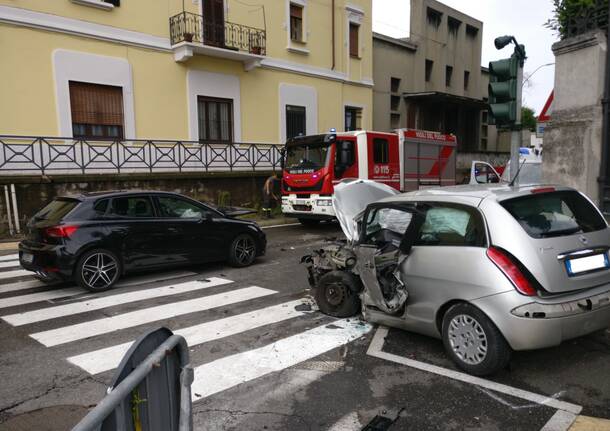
(534,323)
(313,207)
(48,260)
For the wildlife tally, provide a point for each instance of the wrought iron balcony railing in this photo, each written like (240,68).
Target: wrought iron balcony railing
(34,155)
(190,27)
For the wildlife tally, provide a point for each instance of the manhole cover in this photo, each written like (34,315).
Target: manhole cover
(56,418)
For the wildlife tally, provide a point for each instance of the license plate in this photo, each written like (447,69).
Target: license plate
(586,264)
(301,202)
(27,257)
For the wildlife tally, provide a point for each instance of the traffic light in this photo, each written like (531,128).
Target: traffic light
(503,90)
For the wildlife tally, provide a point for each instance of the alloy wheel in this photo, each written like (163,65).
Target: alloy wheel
(245,250)
(99,270)
(467,339)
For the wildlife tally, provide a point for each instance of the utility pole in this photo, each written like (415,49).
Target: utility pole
(505,95)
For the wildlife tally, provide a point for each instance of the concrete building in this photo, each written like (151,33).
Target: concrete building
(433,79)
(221,71)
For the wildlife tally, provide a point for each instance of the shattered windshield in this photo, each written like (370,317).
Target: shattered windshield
(305,159)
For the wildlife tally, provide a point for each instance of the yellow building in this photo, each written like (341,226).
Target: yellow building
(209,70)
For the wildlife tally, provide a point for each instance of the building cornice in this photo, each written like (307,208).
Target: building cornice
(76,27)
(398,42)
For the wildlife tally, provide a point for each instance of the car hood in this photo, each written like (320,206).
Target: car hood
(351,198)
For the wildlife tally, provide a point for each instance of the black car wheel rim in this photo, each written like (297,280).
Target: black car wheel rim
(335,293)
(244,250)
(99,270)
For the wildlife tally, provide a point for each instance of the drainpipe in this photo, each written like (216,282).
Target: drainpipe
(605,156)
(332,13)
(15,210)
(8,211)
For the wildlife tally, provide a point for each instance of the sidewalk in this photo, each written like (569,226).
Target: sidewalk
(586,423)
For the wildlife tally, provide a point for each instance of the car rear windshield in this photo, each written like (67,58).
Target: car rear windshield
(56,209)
(554,214)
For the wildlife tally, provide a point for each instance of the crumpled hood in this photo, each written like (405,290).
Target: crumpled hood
(350,199)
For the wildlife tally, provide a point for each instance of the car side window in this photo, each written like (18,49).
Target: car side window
(384,225)
(132,206)
(452,225)
(101,206)
(171,207)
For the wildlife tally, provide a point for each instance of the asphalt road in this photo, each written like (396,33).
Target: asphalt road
(286,368)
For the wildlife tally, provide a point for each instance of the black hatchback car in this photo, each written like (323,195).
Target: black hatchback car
(96,238)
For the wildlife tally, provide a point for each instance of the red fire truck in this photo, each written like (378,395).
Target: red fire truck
(406,159)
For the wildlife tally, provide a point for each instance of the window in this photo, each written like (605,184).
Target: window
(562,213)
(296,123)
(453,26)
(448,75)
(434,17)
(353,39)
(452,225)
(471,31)
(100,207)
(296,22)
(132,206)
(179,208)
(387,225)
(395,121)
(394,103)
(429,65)
(353,118)
(484,174)
(394,84)
(466,79)
(55,210)
(381,151)
(215,119)
(97,111)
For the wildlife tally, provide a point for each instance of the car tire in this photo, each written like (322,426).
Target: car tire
(336,294)
(242,251)
(98,270)
(309,222)
(473,342)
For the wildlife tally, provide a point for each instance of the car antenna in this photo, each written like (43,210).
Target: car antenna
(512,182)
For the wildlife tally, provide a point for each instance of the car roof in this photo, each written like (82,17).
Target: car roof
(113,193)
(474,193)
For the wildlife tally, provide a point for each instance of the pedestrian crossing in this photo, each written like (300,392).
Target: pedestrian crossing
(94,331)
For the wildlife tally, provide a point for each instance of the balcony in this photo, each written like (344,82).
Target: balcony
(192,34)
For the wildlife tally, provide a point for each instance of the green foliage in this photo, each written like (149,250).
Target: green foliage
(224,199)
(567,10)
(528,119)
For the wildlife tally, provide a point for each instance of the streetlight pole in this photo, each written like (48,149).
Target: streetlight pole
(536,70)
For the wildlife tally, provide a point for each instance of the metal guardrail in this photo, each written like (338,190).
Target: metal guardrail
(190,27)
(586,18)
(31,155)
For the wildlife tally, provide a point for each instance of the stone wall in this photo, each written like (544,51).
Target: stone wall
(572,140)
(239,189)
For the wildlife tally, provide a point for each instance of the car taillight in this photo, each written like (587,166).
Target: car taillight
(511,271)
(543,190)
(60,231)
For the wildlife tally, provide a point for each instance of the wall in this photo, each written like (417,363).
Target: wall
(572,140)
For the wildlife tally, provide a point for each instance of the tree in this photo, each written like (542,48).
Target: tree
(528,119)
(572,17)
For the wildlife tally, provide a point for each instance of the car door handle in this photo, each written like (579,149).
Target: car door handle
(172,229)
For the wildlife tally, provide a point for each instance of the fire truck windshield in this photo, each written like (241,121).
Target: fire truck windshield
(305,159)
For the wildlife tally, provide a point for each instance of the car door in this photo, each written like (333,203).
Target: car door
(133,226)
(189,227)
(483,173)
(386,234)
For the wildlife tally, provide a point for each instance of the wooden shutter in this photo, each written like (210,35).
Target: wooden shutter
(353,40)
(296,11)
(96,104)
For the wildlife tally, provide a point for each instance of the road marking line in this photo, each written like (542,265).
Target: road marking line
(10,264)
(21,285)
(39,296)
(280,225)
(15,273)
(108,301)
(560,421)
(376,346)
(349,422)
(230,371)
(10,257)
(101,360)
(92,328)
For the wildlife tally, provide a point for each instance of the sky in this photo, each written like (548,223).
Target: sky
(523,19)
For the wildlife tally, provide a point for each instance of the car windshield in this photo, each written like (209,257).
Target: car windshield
(554,214)
(56,209)
(304,159)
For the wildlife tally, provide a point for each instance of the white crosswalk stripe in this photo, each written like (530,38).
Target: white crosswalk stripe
(108,358)
(13,301)
(9,264)
(147,315)
(14,274)
(109,301)
(21,285)
(10,257)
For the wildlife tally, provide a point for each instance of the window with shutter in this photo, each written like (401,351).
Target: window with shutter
(97,111)
(353,39)
(296,22)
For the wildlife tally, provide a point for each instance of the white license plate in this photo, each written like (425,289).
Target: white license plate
(27,257)
(586,264)
(301,202)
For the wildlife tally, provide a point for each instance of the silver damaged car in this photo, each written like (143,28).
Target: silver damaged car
(489,269)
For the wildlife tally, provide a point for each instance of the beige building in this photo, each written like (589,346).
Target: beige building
(433,79)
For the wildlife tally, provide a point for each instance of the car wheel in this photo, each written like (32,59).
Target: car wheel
(309,222)
(473,342)
(243,251)
(98,270)
(335,294)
